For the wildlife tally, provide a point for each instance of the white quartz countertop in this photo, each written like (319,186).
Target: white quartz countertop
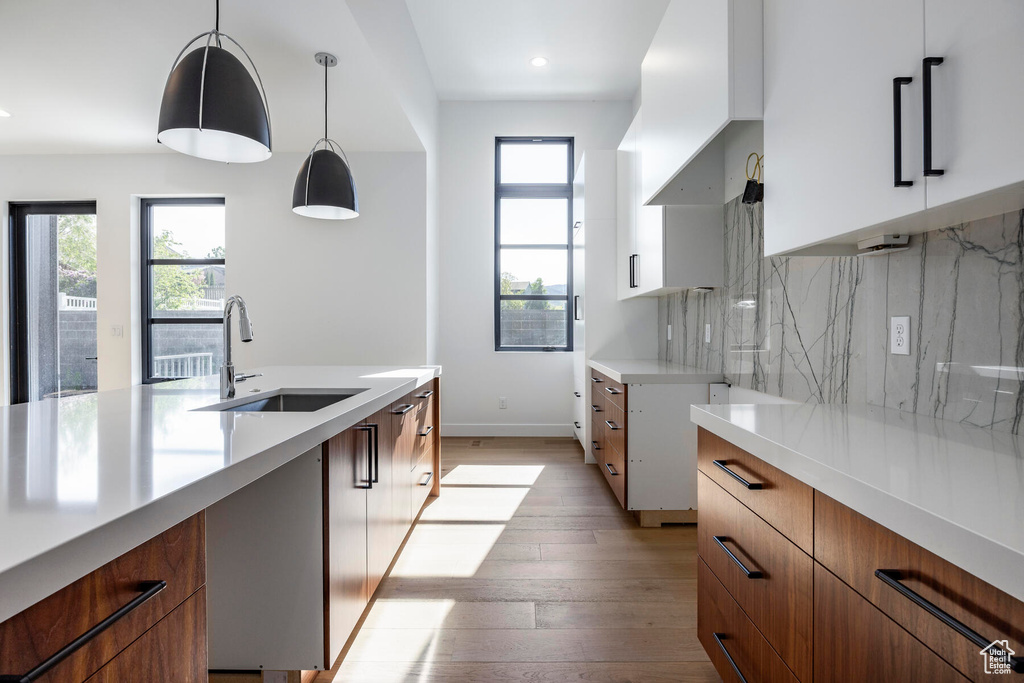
(86,478)
(654,372)
(953,489)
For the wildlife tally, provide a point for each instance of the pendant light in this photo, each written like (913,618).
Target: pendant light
(212,108)
(324,187)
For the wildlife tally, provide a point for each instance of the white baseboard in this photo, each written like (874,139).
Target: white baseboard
(542,430)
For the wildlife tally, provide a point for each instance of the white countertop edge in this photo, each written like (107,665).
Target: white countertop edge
(25,584)
(619,371)
(989,560)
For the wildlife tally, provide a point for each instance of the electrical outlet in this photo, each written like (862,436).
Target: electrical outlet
(670,333)
(707,333)
(502,403)
(899,335)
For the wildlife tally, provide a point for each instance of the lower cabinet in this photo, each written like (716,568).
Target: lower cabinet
(884,609)
(157,591)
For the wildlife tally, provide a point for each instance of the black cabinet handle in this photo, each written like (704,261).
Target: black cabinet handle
(147,590)
(430,475)
(576,307)
(614,427)
(596,380)
(720,540)
(929,62)
(632,271)
(611,470)
(426,394)
(596,408)
(577,424)
(719,637)
(891,578)
(753,486)
(897,131)
(403,409)
(576,394)
(426,432)
(594,445)
(613,390)
(376,452)
(369,456)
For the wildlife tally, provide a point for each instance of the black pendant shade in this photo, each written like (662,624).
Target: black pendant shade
(212,109)
(324,187)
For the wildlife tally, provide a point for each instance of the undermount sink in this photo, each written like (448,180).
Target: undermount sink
(286,401)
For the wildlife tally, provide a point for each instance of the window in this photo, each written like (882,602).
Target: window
(532,244)
(182,288)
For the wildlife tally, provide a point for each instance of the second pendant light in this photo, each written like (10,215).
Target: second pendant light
(324,187)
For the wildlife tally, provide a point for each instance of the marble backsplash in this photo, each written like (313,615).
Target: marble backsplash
(817,328)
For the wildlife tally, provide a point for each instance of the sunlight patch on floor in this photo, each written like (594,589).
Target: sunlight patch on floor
(475,505)
(416,614)
(446,550)
(493,475)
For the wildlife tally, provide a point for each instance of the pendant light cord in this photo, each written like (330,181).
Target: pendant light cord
(325,98)
(216,19)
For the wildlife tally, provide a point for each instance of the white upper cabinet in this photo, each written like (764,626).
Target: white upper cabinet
(828,117)
(703,70)
(627,192)
(977,95)
(846,143)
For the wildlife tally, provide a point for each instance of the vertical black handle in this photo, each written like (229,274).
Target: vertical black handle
(929,62)
(369,456)
(632,271)
(897,131)
(719,637)
(375,429)
(576,307)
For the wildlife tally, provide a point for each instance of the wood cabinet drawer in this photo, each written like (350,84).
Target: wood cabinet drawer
(177,556)
(424,398)
(609,389)
(770,578)
(735,646)
(173,650)
(422,478)
(853,547)
(854,641)
(614,425)
(779,499)
(614,468)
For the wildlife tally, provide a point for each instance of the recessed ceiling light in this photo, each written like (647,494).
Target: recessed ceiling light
(539,61)
(4,114)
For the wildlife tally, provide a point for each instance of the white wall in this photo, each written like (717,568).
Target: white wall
(351,292)
(538,386)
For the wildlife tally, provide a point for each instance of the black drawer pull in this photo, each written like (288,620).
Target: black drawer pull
(403,409)
(596,380)
(597,408)
(720,540)
(426,394)
(612,390)
(430,475)
(577,424)
(611,470)
(891,578)
(577,394)
(426,432)
(148,589)
(720,464)
(614,427)
(595,446)
(719,637)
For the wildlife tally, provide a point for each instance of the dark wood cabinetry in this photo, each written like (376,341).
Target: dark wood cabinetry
(176,557)
(884,609)
(608,428)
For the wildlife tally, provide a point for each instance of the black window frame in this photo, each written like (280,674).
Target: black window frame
(533,191)
(147,262)
(18,296)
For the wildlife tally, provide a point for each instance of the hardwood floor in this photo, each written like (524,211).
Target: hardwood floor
(526,569)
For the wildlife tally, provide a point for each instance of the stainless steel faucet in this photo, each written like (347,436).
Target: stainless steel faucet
(227,370)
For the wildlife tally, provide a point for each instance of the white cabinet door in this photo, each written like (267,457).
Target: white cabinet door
(977,95)
(828,117)
(702,70)
(650,249)
(626,191)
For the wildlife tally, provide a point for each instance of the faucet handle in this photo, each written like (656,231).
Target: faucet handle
(242,378)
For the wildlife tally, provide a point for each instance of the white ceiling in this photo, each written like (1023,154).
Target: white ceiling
(481,49)
(82,77)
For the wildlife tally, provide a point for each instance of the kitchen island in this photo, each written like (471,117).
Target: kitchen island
(86,479)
